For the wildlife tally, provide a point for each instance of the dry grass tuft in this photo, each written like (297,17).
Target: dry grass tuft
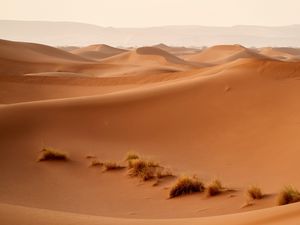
(163,173)
(215,188)
(52,155)
(288,195)
(90,157)
(255,192)
(95,163)
(247,204)
(186,185)
(109,165)
(146,170)
(131,156)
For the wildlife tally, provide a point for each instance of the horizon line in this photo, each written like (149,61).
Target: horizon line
(153,26)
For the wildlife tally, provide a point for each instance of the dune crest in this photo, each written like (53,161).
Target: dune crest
(222,54)
(147,56)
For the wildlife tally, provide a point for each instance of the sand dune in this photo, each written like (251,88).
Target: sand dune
(17,58)
(31,52)
(147,56)
(39,59)
(68,48)
(288,54)
(236,120)
(178,51)
(219,101)
(96,52)
(223,53)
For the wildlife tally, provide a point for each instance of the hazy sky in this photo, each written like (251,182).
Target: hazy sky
(141,13)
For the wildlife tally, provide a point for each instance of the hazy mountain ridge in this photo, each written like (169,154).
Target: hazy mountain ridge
(80,34)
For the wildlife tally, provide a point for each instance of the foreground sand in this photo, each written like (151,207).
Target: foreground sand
(237,121)
(287,215)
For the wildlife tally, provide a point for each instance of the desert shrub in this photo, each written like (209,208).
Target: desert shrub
(288,195)
(186,185)
(109,165)
(255,192)
(146,170)
(214,188)
(49,154)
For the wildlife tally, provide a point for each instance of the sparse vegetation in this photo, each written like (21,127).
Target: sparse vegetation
(95,163)
(215,188)
(90,157)
(164,173)
(109,165)
(131,156)
(186,185)
(288,195)
(49,154)
(255,192)
(146,170)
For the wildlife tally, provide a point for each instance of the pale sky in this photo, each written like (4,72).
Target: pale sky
(145,13)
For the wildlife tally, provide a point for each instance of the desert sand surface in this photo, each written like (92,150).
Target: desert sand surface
(227,112)
(283,216)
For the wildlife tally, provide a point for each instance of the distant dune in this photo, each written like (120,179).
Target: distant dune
(178,51)
(222,54)
(30,52)
(21,57)
(36,58)
(226,112)
(68,48)
(288,54)
(96,52)
(151,56)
